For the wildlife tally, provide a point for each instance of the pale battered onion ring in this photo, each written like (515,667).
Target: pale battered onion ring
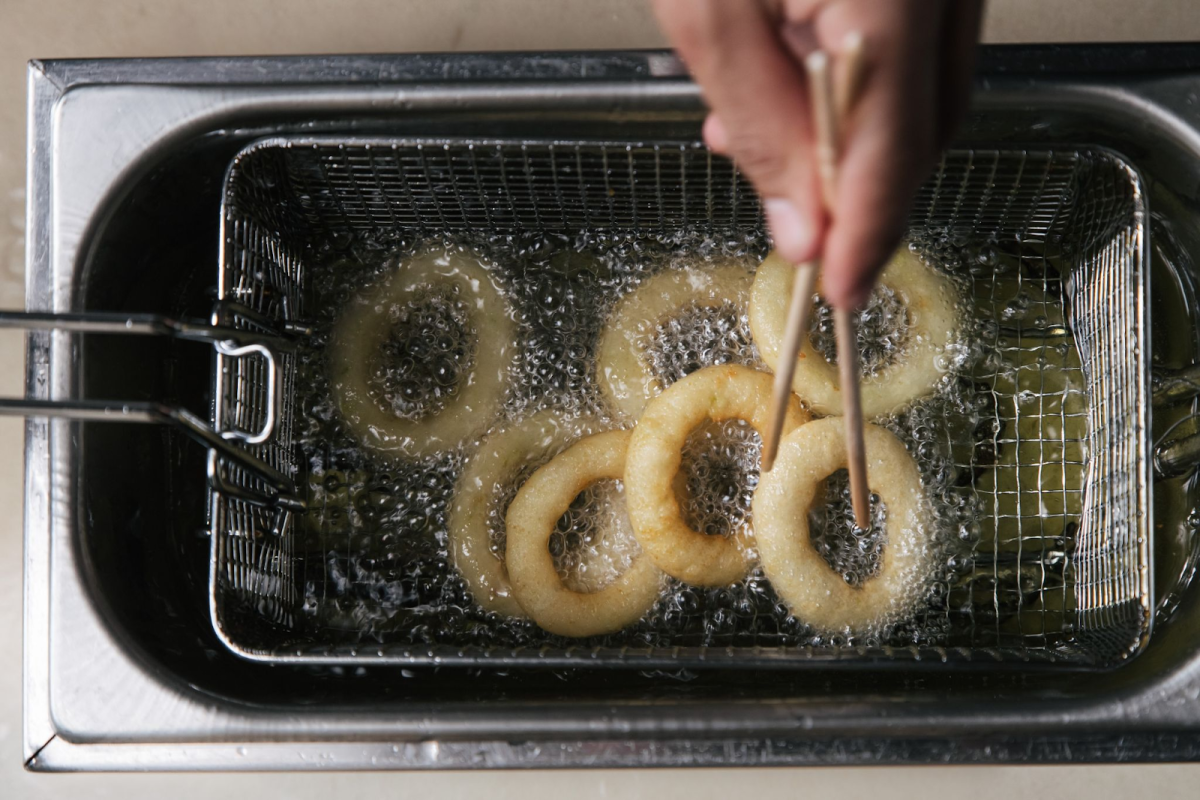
(622,366)
(930,300)
(499,460)
(812,589)
(365,325)
(539,504)
(716,393)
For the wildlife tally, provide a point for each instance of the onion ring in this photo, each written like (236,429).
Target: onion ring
(815,593)
(931,301)
(366,324)
(499,460)
(531,519)
(622,367)
(716,393)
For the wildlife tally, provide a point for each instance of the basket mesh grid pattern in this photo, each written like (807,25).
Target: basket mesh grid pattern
(253,553)
(1071,221)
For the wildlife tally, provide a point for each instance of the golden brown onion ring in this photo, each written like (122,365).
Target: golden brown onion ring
(652,464)
(531,520)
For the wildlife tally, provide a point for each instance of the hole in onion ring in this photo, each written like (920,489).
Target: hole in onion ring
(418,367)
(882,325)
(850,551)
(593,542)
(698,337)
(717,476)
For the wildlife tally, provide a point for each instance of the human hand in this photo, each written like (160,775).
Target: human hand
(748,55)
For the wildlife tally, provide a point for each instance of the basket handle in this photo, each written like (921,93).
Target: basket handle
(1175,456)
(150,413)
(142,325)
(268,426)
(233,342)
(1175,386)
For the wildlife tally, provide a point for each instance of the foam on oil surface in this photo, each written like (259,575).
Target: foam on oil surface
(702,337)
(373,549)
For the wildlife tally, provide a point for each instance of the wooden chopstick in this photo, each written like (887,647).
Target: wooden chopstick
(793,336)
(805,282)
(845,323)
(829,109)
(846,330)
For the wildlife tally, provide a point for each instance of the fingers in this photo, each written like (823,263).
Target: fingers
(874,196)
(757,90)
(914,87)
(887,152)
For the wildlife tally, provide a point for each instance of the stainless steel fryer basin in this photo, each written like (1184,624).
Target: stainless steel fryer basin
(123,667)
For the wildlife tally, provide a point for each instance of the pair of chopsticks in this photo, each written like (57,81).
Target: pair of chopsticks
(830,108)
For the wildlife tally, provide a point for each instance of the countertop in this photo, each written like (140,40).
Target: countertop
(88,28)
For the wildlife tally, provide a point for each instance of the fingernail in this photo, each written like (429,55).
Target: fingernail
(791,230)
(715,135)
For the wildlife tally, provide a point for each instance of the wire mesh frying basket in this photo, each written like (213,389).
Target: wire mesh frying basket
(1062,574)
